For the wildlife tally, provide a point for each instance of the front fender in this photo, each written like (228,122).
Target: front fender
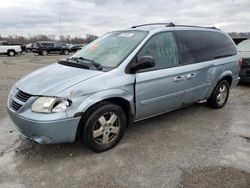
(106,94)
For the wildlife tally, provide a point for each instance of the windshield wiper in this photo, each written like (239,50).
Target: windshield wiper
(92,62)
(73,63)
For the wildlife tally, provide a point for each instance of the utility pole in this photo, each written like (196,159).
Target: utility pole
(60,26)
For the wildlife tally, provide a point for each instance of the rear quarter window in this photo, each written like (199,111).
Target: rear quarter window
(198,46)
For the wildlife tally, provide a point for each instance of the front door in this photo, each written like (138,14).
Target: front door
(160,88)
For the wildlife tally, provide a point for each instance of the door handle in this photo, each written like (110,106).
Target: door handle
(179,78)
(192,75)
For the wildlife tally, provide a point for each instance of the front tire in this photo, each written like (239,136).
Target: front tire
(220,95)
(44,52)
(104,127)
(66,52)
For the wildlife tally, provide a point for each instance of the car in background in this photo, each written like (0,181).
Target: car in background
(10,50)
(50,47)
(75,47)
(244,51)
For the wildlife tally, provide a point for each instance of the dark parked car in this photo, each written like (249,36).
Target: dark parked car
(75,47)
(244,51)
(50,47)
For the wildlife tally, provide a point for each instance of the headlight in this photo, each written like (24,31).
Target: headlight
(50,104)
(12,91)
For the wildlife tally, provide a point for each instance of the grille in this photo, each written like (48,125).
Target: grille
(22,96)
(15,106)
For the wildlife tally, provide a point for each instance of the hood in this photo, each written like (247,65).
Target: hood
(53,79)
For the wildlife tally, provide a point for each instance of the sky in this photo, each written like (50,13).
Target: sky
(78,18)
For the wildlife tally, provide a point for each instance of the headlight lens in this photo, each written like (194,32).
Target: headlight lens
(12,91)
(50,104)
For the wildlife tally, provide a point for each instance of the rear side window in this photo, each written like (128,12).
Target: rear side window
(47,44)
(198,46)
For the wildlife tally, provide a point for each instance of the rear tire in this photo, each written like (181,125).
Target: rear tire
(104,127)
(44,52)
(220,95)
(11,53)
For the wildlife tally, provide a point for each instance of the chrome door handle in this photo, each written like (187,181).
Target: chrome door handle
(179,78)
(192,75)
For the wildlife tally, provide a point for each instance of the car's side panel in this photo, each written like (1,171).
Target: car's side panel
(198,80)
(225,67)
(5,49)
(158,91)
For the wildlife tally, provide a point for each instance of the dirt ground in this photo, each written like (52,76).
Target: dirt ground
(192,147)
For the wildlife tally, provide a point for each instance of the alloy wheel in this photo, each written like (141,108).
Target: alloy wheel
(222,94)
(106,128)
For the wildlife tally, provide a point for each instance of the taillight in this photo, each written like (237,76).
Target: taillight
(241,62)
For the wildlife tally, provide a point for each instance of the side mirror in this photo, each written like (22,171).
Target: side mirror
(143,63)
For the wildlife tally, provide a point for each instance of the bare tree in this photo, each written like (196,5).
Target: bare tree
(14,39)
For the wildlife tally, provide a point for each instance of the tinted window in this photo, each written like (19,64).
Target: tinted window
(198,46)
(47,44)
(163,49)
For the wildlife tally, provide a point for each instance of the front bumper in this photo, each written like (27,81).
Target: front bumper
(46,132)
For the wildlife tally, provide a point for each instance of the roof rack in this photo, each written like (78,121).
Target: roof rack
(196,26)
(171,24)
(166,24)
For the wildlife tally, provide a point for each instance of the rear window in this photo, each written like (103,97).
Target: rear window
(198,46)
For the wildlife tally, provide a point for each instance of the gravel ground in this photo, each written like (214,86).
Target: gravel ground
(191,147)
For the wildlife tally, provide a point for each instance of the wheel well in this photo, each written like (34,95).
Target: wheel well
(123,103)
(228,78)
(11,50)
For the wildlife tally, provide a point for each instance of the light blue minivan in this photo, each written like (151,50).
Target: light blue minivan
(123,77)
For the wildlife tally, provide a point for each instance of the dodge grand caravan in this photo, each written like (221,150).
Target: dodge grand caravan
(123,77)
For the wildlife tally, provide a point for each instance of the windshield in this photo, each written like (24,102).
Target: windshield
(244,46)
(111,49)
